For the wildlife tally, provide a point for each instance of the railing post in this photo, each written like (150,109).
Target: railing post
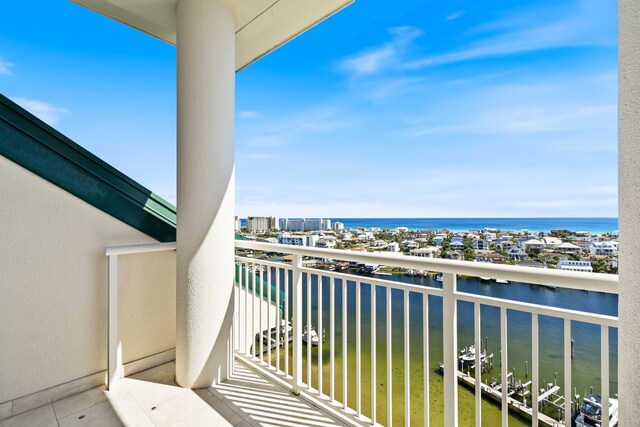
(297,323)
(450,341)
(114,347)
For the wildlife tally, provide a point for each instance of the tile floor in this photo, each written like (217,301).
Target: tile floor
(151,398)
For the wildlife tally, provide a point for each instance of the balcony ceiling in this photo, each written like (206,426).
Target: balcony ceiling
(262,25)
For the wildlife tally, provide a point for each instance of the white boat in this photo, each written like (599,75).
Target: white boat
(469,355)
(591,412)
(439,277)
(485,279)
(311,336)
(502,281)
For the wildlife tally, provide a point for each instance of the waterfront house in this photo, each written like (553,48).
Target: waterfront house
(490,257)
(608,248)
(516,254)
(409,245)
(326,242)
(569,248)
(571,265)
(480,244)
(438,239)
(428,252)
(99,282)
(533,245)
(457,245)
(551,242)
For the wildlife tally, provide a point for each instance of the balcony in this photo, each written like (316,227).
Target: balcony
(429,345)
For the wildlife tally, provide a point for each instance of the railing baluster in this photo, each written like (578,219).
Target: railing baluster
(236,314)
(268,332)
(504,383)
(253,314)
(535,384)
(407,363)
(567,372)
(278,319)
(309,344)
(297,323)
(389,361)
(261,314)
(344,343)
(373,355)
(247,351)
(320,335)
(425,356)
(478,362)
(332,344)
(604,373)
(286,322)
(450,350)
(358,351)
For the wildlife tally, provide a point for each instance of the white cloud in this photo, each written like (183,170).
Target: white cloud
(5,66)
(295,128)
(46,112)
(455,15)
(249,115)
(375,59)
(578,25)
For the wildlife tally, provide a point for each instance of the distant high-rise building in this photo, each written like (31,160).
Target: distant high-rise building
(338,226)
(287,224)
(259,224)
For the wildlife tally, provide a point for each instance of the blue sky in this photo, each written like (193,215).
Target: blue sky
(422,109)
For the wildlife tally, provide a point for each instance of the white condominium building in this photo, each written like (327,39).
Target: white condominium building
(287,239)
(261,223)
(287,224)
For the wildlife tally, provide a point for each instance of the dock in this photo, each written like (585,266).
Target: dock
(495,394)
(518,392)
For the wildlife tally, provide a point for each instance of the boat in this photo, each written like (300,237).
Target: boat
(591,412)
(502,281)
(439,277)
(311,336)
(485,279)
(468,356)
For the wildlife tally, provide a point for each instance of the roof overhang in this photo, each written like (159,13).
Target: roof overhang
(261,25)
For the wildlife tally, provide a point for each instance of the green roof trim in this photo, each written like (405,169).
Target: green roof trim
(39,148)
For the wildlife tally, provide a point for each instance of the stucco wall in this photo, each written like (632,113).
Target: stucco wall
(243,338)
(53,279)
(629,182)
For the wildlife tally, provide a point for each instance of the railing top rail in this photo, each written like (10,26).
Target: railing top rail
(139,249)
(540,276)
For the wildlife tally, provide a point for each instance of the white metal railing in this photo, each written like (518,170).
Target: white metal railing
(114,345)
(299,279)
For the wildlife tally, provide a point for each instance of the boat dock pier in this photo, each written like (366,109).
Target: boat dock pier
(549,397)
(518,392)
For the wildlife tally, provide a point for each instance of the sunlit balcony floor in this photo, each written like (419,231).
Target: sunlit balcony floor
(152,398)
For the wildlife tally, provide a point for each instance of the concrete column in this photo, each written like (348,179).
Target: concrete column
(206,191)
(629,199)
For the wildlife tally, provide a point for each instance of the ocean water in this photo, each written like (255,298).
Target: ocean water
(593,225)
